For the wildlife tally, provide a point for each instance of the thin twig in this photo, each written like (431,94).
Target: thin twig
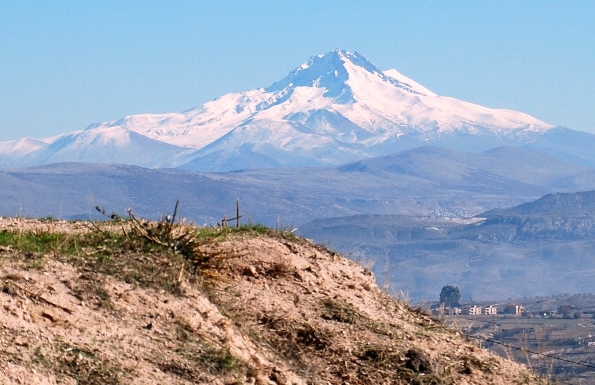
(173,218)
(97,227)
(39,297)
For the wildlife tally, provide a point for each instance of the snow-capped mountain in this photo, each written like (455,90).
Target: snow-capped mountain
(96,145)
(334,108)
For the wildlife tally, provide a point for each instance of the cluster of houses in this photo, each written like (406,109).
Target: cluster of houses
(478,310)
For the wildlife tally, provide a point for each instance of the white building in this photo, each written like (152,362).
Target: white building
(473,310)
(490,310)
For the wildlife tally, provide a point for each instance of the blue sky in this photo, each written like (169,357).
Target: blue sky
(67,64)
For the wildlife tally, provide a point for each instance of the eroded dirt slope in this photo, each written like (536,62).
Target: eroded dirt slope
(266,308)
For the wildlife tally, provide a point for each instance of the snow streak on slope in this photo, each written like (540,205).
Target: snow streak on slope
(334,108)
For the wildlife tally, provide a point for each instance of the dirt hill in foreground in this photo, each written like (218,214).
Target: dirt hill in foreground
(107,304)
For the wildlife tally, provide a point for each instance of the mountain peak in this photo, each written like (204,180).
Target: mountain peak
(334,69)
(330,70)
(335,60)
(327,71)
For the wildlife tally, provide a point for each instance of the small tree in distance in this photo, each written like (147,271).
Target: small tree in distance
(450,296)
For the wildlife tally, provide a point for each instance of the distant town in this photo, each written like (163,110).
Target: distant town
(563,311)
(477,310)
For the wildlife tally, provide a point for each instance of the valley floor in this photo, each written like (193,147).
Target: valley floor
(559,348)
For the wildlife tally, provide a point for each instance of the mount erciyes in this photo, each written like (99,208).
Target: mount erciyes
(333,109)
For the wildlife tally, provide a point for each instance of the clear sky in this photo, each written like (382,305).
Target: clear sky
(69,63)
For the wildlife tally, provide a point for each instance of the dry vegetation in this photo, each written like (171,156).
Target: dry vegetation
(135,302)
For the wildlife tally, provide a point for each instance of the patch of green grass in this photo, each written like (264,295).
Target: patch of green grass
(223,233)
(198,356)
(29,242)
(44,242)
(223,361)
(254,229)
(40,358)
(145,253)
(152,236)
(339,311)
(118,254)
(218,362)
(80,364)
(87,368)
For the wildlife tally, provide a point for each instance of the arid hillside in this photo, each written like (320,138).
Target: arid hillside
(133,302)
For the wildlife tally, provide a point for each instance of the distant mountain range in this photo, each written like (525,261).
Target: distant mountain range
(333,109)
(426,181)
(538,248)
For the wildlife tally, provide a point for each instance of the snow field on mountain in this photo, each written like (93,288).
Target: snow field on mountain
(338,104)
